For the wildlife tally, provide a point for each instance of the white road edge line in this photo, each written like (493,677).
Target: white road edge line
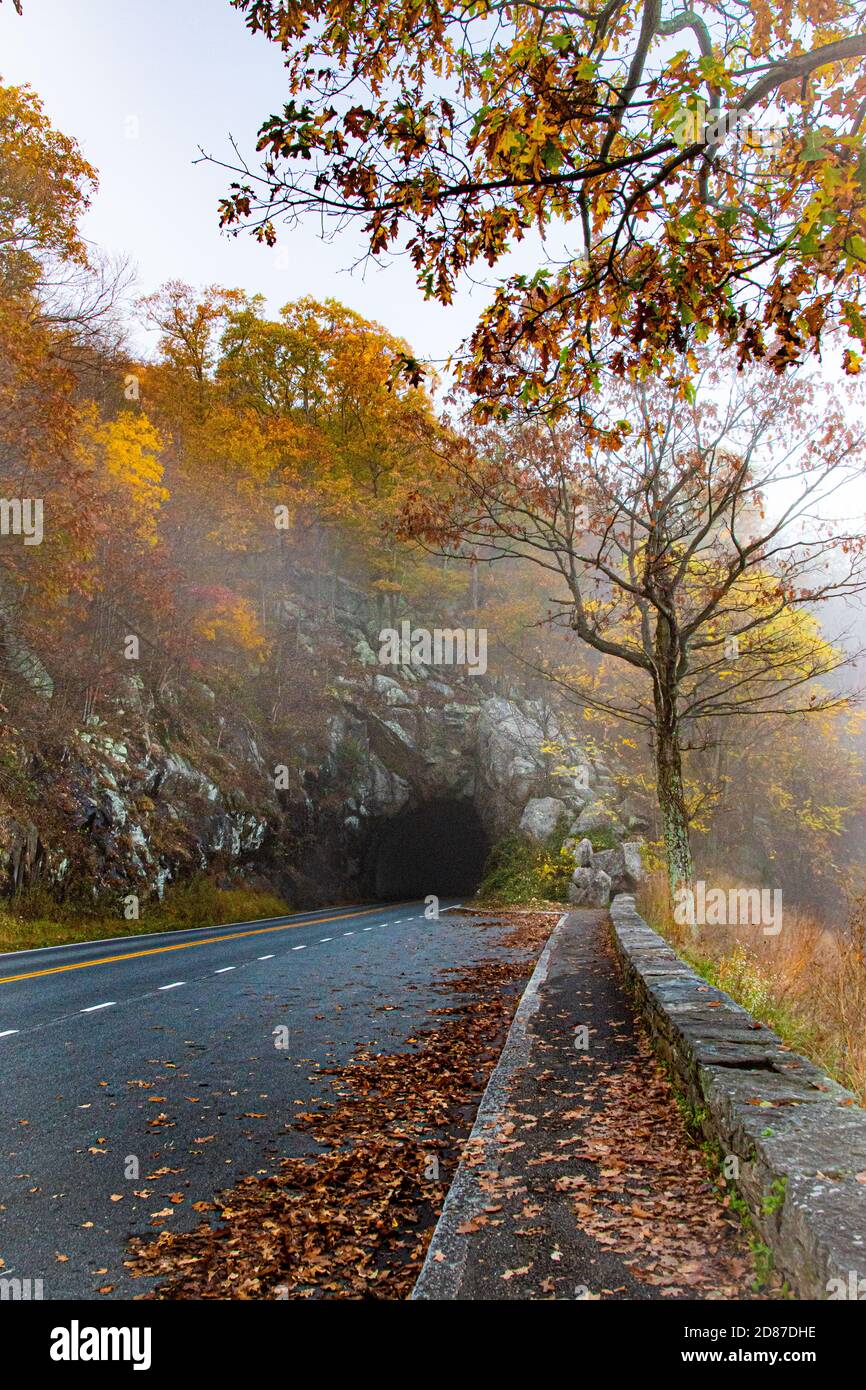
(177,984)
(93,1007)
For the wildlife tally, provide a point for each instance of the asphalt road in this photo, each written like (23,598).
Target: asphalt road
(124,1058)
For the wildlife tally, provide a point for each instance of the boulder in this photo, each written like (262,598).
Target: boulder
(540,816)
(589,888)
(613,863)
(392,691)
(594,818)
(582,851)
(365,654)
(634,813)
(631,850)
(623,864)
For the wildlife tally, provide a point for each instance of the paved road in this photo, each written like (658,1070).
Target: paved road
(122,1058)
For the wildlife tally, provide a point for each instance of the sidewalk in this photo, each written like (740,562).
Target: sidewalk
(578,1180)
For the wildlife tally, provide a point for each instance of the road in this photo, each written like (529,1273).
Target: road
(142,1074)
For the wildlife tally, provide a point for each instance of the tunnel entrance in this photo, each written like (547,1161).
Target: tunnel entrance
(438,848)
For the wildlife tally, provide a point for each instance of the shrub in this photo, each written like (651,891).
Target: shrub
(520,870)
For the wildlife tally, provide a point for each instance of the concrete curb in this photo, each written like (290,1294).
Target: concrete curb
(445,1263)
(798,1138)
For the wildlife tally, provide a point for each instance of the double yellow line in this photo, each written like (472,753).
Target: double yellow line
(188,945)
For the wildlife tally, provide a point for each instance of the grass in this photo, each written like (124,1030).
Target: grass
(34,919)
(808,983)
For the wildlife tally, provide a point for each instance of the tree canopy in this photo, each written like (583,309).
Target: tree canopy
(455,131)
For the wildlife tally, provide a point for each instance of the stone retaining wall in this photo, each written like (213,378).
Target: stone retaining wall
(799,1138)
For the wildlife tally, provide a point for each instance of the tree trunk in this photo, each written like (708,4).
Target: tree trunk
(672,803)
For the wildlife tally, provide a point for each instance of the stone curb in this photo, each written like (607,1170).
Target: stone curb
(799,1138)
(442,1272)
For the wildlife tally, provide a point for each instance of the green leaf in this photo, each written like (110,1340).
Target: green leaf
(551,156)
(813,147)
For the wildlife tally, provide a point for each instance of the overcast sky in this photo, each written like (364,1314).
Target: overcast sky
(141,84)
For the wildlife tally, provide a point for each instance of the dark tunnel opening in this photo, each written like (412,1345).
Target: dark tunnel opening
(440,847)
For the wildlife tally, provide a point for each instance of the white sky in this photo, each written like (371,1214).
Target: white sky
(189,73)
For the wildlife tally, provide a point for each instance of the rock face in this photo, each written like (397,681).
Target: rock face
(133,805)
(541,816)
(128,816)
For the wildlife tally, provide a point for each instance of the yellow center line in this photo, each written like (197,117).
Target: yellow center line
(186,945)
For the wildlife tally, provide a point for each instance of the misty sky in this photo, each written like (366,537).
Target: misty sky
(142,86)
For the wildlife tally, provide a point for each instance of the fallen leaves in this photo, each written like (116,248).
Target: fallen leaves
(648,1194)
(354,1219)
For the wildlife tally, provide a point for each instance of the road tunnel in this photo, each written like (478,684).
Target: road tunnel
(439,848)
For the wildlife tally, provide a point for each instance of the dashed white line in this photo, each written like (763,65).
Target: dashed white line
(9,1031)
(322,939)
(265,957)
(223,969)
(368,929)
(110,1004)
(348,933)
(177,984)
(299,948)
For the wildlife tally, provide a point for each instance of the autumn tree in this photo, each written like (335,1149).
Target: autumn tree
(46,186)
(682,547)
(299,412)
(678,172)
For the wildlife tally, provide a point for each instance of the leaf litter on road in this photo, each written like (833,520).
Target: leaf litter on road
(354,1220)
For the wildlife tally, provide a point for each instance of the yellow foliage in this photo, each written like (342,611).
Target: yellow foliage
(128,449)
(233,619)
